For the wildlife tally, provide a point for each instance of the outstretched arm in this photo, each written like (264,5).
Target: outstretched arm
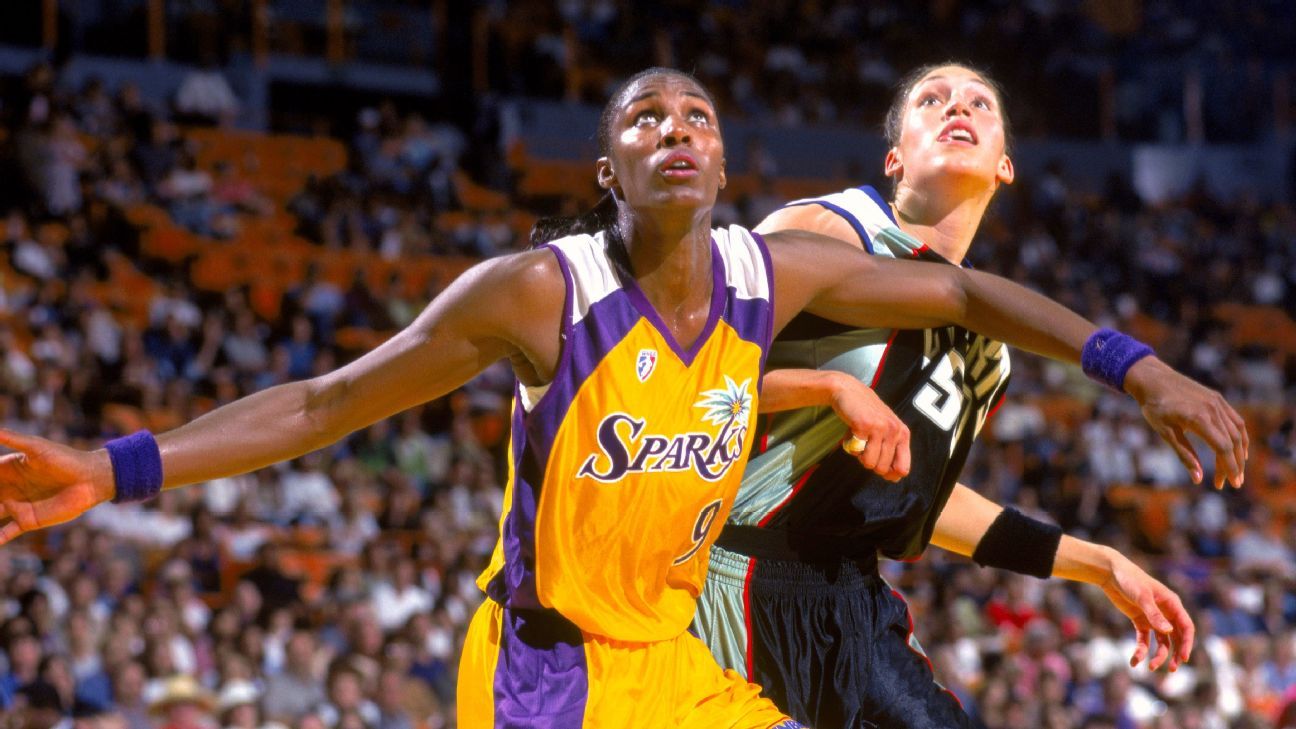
(477,320)
(878,438)
(831,279)
(1150,605)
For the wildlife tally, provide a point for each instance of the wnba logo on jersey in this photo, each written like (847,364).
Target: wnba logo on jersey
(646,364)
(626,448)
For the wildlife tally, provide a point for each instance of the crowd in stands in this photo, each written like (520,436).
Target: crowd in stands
(836,61)
(334,591)
(1145,70)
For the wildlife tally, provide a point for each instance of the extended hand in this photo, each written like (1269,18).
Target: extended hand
(1175,405)
(44,483)
(879,439)
(1152,608)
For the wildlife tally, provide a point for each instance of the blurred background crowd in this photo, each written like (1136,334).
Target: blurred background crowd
(157,262)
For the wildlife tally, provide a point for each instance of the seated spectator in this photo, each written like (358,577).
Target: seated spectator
(182,703)
(397,599)
(276,588)
(25,657)
(346,695)
(205,95)
(298,688)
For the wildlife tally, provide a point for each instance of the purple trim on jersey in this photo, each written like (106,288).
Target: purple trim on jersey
(514,586)
(542,680)
(845,215)
(881,202)
(534,433)
(769,317)
(645,307)
(584,345)
(753,320)
(569,302)
(604,326)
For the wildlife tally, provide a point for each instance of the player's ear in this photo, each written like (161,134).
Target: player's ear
(604,174)
(892,166)
(1004,170)
(724,179)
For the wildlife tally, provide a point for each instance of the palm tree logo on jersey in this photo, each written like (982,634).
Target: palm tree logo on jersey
(626,448)
(731,404)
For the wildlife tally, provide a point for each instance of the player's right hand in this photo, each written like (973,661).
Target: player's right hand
(879,439)
(1175,405)
(43,483)
(1155,610)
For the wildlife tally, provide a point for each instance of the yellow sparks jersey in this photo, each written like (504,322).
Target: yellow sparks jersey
(623,468)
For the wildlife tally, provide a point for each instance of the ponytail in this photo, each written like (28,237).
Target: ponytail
(601,217)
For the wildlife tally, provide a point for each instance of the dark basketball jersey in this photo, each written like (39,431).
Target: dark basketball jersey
(943,383)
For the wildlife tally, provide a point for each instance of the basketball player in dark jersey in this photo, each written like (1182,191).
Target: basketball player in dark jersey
(793,599)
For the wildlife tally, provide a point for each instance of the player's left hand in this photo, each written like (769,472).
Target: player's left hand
(879,439)
(1175,405)
(1153,608)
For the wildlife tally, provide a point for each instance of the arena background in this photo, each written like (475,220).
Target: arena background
(203,198)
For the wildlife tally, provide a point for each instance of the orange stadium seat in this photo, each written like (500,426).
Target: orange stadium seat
(738,185)
(1152,509)
(1152,331)
(53,234)
(1062,409)
(560,178)
(145,215)
(1267,326)
(314,566)
(124,418)
(170,242)
(478,198)
(793,188)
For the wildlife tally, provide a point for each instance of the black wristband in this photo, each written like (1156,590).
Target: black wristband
(1018,543)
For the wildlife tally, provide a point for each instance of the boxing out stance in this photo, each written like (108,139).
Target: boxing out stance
(638,350)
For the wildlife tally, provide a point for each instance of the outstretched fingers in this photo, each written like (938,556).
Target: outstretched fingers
(1183,448)
(1160,625)
(1164,613)
(1142,642)
(1241,440)
(9,526)
(16,441)
(1224,431)
(1163,643)
(1185,631)
(1155,612)
(9,530)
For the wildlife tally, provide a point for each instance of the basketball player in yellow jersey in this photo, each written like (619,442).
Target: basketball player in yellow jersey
(617,486)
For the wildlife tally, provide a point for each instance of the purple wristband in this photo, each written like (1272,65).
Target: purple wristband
(137,467)
(1108,355)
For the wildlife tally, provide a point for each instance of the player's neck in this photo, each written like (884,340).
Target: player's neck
(670,258)
(946,223)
